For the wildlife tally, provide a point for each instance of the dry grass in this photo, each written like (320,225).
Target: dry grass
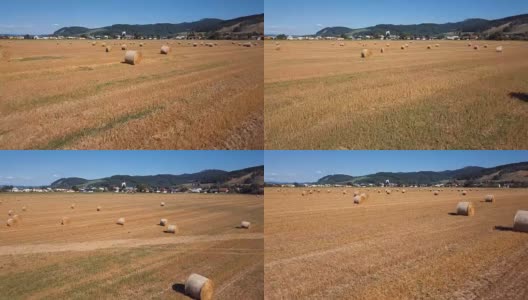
(453,97)
(79,97)
(41,259)
(398,246)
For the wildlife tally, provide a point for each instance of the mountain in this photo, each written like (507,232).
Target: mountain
(511,173)
(253,175)
(510,26)
(250,25)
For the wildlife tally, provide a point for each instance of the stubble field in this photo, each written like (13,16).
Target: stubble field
(73,95)
(324,96)
(94,258)
(398,246)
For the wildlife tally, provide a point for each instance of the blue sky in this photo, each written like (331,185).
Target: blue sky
(309,16)
(44,167)
(46,16)
(308,166)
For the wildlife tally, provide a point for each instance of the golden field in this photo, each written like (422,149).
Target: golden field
(72,95)
(94,258)
(397,246)
(324,96)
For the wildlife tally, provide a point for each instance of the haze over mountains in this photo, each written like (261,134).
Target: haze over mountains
(247,25)
(253,175)
(516,174)
(514,26)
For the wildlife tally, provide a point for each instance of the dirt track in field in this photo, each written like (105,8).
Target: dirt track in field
(80,97)
(42,259)
(398,246)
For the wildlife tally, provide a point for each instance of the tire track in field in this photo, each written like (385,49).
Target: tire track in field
(130,243)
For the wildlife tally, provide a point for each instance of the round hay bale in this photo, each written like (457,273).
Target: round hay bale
(489,198)
(10,222)
(165,50)
(382,50)
(437,45)
(303,194)
(277,48)
(436,193)
(17,218)
(342,44)
(486,46)
(464,193)
(356,193)
(403,191)
(199,287)
(65,221)
(245,224)
(72,206)
(403,47)
(163,222)
(103,45)
(99,208)
(366,53)
(388,192)
(24,208)
(387,45)
(499,49)
(94,43)
(121,221)
(357,199)
(429,47)
(363,196)
(162,204)
(133,57)
(520,221)
(108,49)
(195,45)
(344,192)
(172,229)
(465,209)
(140,44)
(10,212)
(469,45)
(476,47)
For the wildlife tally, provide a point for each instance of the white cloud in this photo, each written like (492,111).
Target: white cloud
(56,175)
(274,174)
(319,172)
(56,24)
(10,177)
(319,25)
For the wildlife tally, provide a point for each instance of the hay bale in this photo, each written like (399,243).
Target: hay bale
(140,44)
(344,192)
(245,224)
(465,209)
(520,221)
(489,198)
(366,53)
(248,45)
(163,222)
(469,45)
(387,45)
(165,50)
(99,208)
(24,208)
(10,212)
(103,45)
(436,193)
(277,48)
(499,49)
(429,47)
(108,49)
(17,218)
(10,222)
(357,199)
(72,206)
(162,204)
(382,50)
(363,196)
(199,287)
(133,57)
(486,46)
(195,45)
(403,191)
(94,43)
(476,47)
(388,192)
(437,45)
(172,229)
(403,47)
(341,44)
(65,221)
(303,194)
(120,221)
(464,193)
(356,193)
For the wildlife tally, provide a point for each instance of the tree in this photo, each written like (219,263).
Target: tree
(142,188)
(344,36)
(75,188)
(281,37)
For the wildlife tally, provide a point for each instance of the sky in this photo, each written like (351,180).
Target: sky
(35,168)
(299,17)
(309,166)
(47,16)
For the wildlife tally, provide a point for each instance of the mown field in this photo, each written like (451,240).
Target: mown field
(324,96)
(73,95)
(398,246)
(94,258)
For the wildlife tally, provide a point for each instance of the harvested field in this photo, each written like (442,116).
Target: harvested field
(80,97)
(41,259)
(398,246)
(319,96)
